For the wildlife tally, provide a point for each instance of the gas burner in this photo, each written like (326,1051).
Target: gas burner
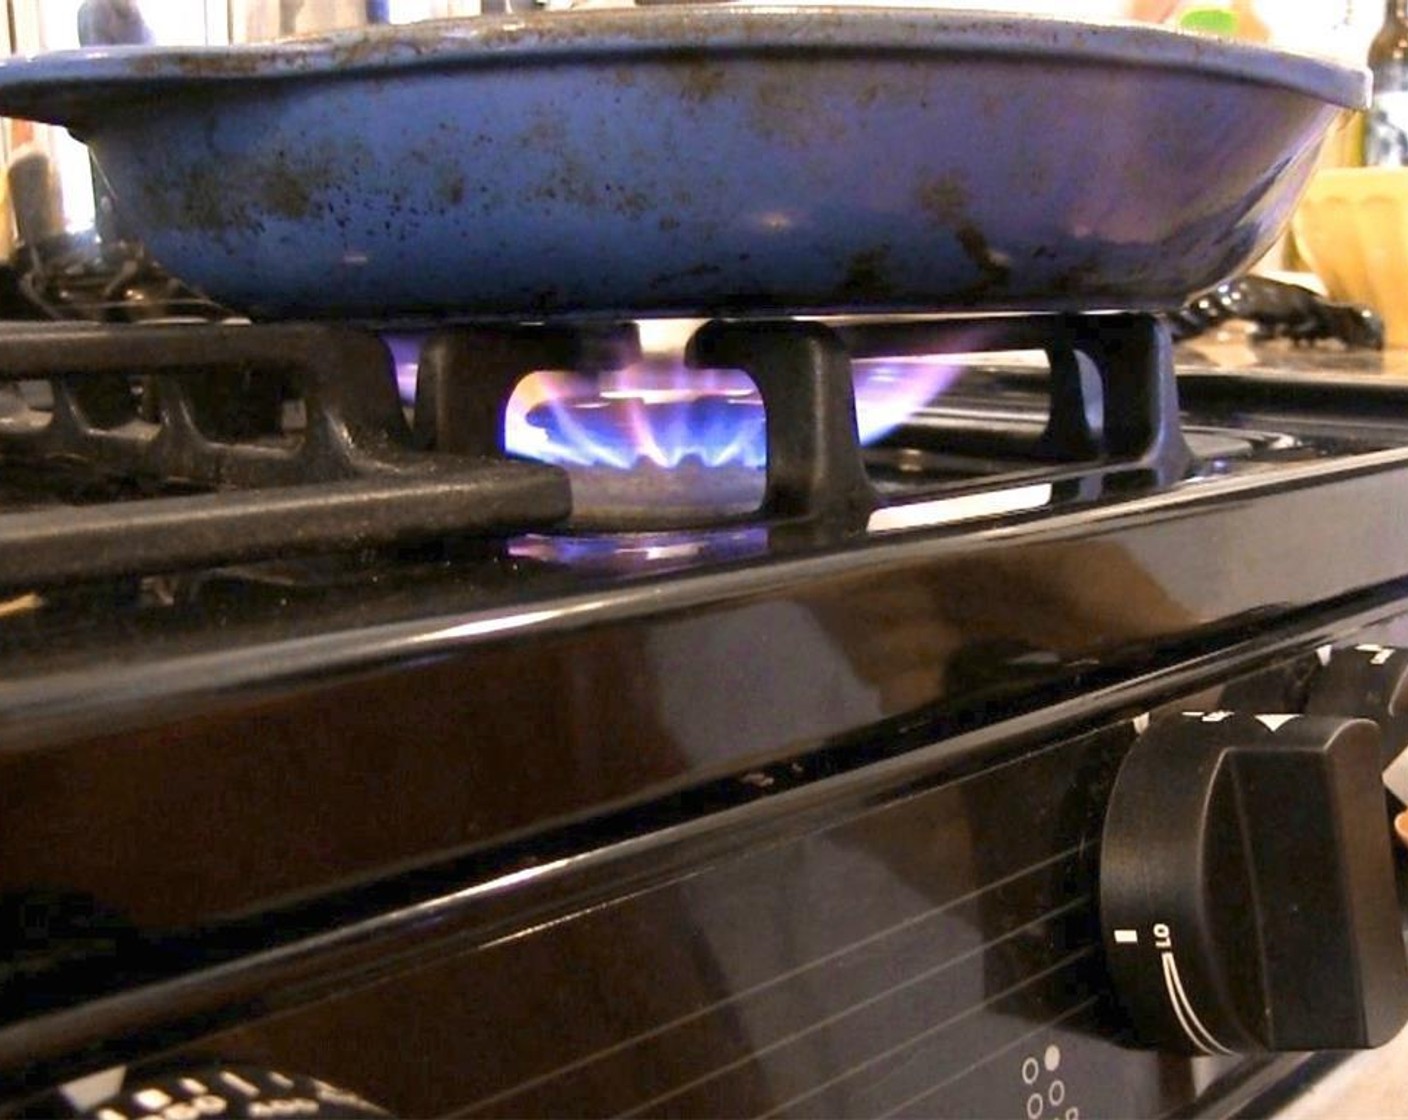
(649,439)
(661,411)
(650,496)
(659,414)
(772,417)
(266,440)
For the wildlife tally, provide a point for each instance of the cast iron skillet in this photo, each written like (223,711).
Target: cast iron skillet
(699,159)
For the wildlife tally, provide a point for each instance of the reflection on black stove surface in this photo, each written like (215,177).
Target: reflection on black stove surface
(625,554)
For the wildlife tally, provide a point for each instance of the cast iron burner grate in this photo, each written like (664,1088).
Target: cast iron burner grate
(208,414)
(1113,399)
(352,478)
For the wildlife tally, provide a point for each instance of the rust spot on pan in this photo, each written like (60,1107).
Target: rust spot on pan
(286,193)
(945,200)
(452,189)
(1078,279)
(227,64)
(700,79)
(796,106)
(232,193)
(995,269)
(670,279)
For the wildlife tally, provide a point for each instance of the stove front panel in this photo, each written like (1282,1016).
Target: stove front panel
(930,948)
(915,937)
(932,954)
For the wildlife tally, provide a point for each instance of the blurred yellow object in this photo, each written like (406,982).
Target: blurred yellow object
(1352,229)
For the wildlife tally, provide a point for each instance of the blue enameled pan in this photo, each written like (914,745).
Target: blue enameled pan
(699,159)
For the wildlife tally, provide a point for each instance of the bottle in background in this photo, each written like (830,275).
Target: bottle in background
(1386,130)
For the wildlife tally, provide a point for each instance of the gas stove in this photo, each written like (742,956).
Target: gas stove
(822,717)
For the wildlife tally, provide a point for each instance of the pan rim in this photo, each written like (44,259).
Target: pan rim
(58,86)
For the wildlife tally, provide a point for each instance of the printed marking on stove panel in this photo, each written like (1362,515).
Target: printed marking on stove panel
(153,1100)
(1275,722)
(1126,937)
(1381,653)
(1046,1096)
(235,1081)
(1193,1027)
(87,1092)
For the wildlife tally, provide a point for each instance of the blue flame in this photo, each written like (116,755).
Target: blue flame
(891,390)
(646,412)
(660,411)
(668,414)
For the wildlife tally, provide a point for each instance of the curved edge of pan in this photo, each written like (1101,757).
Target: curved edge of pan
(63,87)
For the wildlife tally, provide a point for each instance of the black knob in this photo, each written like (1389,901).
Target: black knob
(1368,681)
(1246,886)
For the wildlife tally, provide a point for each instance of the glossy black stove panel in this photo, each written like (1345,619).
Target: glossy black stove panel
(901,958)
(304,750)
(926,949)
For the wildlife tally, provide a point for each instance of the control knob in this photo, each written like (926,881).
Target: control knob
(1246,886)
(1370,682)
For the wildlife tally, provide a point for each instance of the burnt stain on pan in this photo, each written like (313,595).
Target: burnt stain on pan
(231,64)
(867,276)
(796,105)
(547,132)
(452,188)
(1078,279)
(700,79)
(229,193)
(995,269)
(200,201)
(944,199)
(667,280)
(868,95)
(286,193)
